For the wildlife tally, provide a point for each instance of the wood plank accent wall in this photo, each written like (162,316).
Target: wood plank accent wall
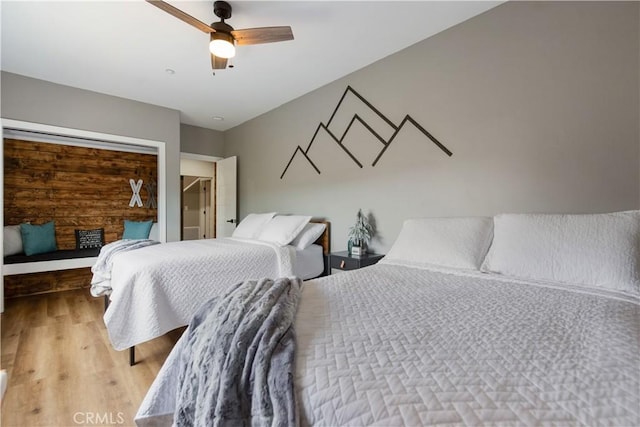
(51,281)
(78,188)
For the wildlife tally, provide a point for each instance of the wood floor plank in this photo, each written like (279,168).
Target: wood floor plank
(81,309)
(56,305)
(61,365)
(32,363)
(35,311)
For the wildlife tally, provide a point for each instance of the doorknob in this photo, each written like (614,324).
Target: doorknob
(232,221)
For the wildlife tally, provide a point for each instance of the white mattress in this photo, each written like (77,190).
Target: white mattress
(309,262)
(391,345)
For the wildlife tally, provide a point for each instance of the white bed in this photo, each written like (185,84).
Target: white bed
(156,289)
(424,337)
(394,345)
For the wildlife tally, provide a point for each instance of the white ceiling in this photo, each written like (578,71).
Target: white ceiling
(123,48)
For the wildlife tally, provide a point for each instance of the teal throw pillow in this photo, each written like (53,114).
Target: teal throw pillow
(136,229)
(38,239)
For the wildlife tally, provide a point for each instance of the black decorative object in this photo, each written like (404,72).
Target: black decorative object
(355,117)
(89,239)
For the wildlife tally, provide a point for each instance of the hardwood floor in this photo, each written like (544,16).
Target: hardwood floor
(61,366)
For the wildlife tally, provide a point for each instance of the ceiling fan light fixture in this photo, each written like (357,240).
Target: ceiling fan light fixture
(221,45)
(222,36)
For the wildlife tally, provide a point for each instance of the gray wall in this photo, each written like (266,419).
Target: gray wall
(38,101)
(197,140)
(537,101)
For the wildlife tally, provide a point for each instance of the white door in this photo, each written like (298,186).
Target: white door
(206,210)
(226,193)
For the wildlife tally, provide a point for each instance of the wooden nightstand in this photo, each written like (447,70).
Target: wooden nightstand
(343,261)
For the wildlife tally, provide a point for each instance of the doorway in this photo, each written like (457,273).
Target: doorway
(197,208)
(214,210)
(197,198)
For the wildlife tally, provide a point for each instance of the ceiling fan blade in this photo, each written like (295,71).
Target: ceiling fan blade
(262,35)
(218,63)
(182,16)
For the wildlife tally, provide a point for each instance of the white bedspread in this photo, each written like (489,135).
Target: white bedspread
(158,288)
(391,345)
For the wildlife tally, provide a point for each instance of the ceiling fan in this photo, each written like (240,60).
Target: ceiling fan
(223,37)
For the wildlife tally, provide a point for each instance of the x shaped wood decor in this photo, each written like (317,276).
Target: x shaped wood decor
(151,189)
(135,198)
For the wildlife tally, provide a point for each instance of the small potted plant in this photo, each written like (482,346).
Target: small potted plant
(359,235)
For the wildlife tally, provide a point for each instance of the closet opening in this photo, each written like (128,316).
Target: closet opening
(75,182)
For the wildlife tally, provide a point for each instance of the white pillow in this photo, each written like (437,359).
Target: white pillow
(154,233)
(12,244)
(251,225)
(282,229)
(598,250)
(309,234)
(442,242)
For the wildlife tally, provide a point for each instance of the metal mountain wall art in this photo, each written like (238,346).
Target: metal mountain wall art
(386,142)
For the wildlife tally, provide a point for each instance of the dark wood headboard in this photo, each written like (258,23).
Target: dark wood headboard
(325,239)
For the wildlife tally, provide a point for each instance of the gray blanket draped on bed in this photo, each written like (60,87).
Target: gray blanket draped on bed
(237,359)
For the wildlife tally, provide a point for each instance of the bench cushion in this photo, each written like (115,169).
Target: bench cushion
(53,256)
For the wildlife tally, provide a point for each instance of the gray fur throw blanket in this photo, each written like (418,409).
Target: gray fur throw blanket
(237,364)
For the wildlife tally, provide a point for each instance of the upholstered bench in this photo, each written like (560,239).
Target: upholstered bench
(50,261)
